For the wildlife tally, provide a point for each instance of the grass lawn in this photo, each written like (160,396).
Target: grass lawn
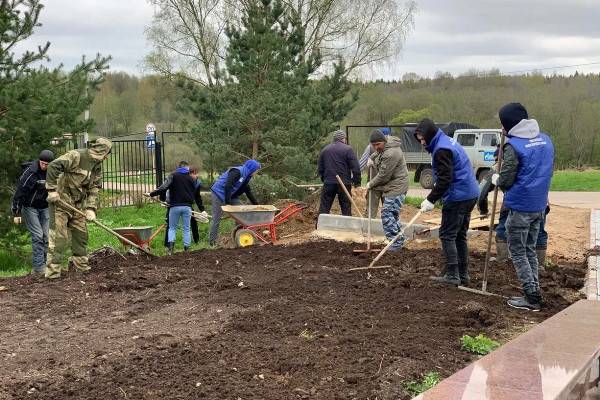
(149,215)
(576,181)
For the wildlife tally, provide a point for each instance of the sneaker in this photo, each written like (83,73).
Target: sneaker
(523,304)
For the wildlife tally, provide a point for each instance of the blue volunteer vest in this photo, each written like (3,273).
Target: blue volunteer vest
(464,185)
(529,193)
(218,188)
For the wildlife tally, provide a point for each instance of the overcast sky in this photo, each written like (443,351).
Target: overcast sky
(449,35)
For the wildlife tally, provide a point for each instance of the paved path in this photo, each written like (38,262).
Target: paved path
(567,199)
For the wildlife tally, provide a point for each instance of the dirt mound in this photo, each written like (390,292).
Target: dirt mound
(256,323)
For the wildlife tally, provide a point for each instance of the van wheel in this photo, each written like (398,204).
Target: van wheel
(426,178)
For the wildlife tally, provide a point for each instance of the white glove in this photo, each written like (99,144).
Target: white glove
(147,194)
(368,185)
(495,179)
(90,214)
(204,214)
(426,206)
(53,197)
(370,163)
(17,220)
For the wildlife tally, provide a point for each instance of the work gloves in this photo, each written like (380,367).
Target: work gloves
(495,179)
(17,220)
(90,215)
(53,197)
(426,206)
(370,163)
(368,185)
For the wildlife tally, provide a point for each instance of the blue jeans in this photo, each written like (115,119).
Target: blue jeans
(522,232)
(390,218)
(185,213)
(542,239)
(37,221)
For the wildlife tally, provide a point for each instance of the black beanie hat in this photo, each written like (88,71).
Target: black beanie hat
(427,129)
(377,136)
(511,114)
(46,156)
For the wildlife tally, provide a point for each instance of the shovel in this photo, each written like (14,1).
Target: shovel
(106,228)
(369,199)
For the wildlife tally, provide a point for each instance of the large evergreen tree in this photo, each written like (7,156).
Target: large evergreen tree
(264,105)
(36,103)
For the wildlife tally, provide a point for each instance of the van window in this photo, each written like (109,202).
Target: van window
(466,139)
(489,140)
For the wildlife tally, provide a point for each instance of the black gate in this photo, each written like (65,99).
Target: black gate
(133,168)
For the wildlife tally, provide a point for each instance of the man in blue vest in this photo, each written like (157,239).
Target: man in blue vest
(527,168)
(227,189)
(456,185)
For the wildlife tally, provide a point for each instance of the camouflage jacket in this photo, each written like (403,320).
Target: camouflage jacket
(77,174)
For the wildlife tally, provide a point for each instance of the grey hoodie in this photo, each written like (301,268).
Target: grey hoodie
(391,174)
(526,129)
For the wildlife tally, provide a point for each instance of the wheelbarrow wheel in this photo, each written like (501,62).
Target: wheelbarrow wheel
(245,238)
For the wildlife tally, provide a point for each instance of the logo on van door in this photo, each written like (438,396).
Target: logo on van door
(488,156)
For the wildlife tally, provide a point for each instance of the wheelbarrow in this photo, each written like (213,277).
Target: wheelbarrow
(254,220)
(140,235)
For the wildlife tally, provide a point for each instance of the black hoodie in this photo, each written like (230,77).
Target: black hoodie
(31,188)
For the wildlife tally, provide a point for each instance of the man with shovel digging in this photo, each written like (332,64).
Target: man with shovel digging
(73,180)
(456,185)
(527,168)
(391,179)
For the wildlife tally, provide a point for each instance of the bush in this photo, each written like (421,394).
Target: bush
(267,189)
(479,344)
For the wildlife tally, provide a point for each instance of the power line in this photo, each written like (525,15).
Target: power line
(546,68)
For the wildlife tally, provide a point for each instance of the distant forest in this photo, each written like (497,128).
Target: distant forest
(566,107)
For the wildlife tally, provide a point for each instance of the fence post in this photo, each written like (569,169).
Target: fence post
(158,163)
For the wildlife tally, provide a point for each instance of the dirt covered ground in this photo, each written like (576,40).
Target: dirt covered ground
(284,322)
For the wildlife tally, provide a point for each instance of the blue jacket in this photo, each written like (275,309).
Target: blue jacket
(246,170)
(529,192)
(464,184)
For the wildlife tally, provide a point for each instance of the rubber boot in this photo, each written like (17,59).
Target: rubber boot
(170,247)
(501,251)
(531,301)
(463,274)
(541,256)
(450,277)
(186,248)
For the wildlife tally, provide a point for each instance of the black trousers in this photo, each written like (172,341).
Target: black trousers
(330,190)
(456,216)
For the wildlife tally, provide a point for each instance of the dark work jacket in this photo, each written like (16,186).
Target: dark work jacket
(182,188)
(31,188)
(338,158)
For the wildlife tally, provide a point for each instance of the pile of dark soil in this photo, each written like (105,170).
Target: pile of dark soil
(259,323)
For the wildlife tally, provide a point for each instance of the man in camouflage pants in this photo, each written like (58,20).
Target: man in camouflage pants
(74,179)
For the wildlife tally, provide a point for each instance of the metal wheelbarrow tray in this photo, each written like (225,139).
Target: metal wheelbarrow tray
(252,220)
(140,235)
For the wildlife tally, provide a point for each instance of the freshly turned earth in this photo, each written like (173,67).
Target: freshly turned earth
(271,322)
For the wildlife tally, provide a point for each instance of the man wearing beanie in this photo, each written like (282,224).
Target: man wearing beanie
(227,189)
(29,203)
(73,179)
(456,186)
(527,168)
(390,177)
(366,163)
(337,158)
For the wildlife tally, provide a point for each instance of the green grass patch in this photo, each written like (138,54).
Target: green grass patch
(148,215)
(13,265)
(479,344)
(576,181)
(428,381)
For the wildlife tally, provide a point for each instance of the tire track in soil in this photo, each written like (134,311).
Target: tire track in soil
(227,324)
